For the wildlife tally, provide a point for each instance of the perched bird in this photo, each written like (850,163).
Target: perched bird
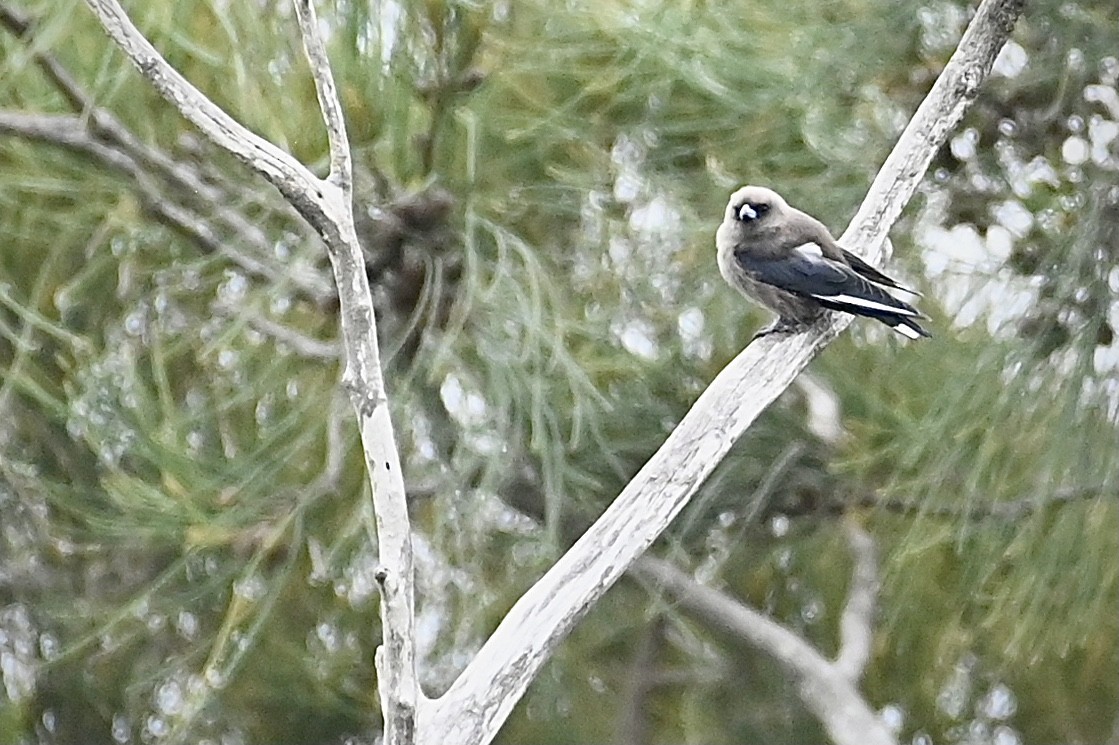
(788,262)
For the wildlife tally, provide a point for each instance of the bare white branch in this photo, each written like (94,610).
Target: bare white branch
(327,206)
(477,704)
(397,682)
(856,624)
(831,696)
(341,167)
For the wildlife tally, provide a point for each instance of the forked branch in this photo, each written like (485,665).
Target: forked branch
(327,205)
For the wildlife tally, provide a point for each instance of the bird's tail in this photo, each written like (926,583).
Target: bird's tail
(863,298)
(905,326)
(905,323)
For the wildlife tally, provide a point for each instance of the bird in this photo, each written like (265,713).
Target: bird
(787,261)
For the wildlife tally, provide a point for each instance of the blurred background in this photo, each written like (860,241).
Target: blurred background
(185,543)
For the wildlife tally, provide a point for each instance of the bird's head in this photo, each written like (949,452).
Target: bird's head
(754,206)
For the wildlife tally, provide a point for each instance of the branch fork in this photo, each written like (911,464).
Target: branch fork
(828,688)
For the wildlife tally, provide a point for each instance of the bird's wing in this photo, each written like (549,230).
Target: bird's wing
(806,272)
(875,276)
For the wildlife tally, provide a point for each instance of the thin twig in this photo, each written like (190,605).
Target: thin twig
(331,475)
(300,343)
(341,165)
(641,678)
(69,132)
(856,624)
(20,26)
(1008,510)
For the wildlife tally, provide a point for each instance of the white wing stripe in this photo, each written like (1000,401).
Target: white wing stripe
(810,251)
(905,331)
(863,302)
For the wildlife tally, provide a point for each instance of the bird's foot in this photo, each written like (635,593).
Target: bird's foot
(781,326)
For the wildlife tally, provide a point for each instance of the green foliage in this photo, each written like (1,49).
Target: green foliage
(187,538)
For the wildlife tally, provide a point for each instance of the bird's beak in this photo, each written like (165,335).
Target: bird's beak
(746,212)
